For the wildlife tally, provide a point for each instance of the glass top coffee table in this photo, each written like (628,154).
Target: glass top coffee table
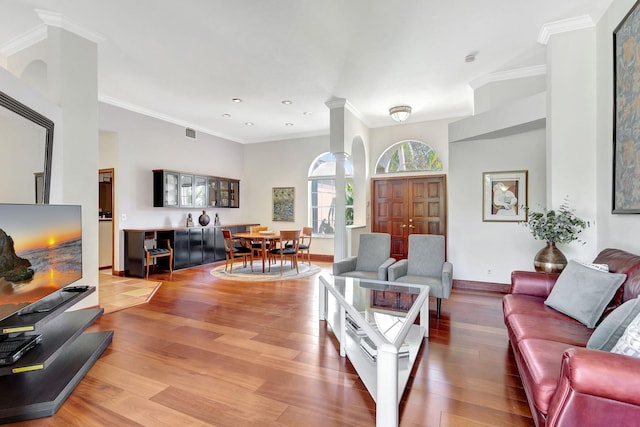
(374,322)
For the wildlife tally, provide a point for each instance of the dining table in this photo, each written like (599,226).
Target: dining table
(263,237)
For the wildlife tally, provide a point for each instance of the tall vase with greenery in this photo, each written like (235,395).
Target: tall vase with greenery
(554,226)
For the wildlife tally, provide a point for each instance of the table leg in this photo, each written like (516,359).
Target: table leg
(343,331)
(387,394)
(264,251)
(424,316)
(322,301)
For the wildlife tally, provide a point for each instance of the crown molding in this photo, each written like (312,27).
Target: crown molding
(54,19)
(24,40)
(518,73)
(336,103)
(156,115)
(564,25)
(343,103)
(39,33)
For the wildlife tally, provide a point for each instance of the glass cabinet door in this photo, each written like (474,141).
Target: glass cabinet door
(200,191)
(171,189)
(234,194)
(224,193)
(212,190)
(186,190)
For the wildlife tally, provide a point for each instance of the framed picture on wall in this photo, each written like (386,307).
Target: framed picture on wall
(283,203)
(504,195)
(626,98)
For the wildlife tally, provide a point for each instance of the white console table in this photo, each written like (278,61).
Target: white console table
(381,343)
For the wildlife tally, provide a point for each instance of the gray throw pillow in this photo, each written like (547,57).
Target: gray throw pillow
(613,326)
(583,293)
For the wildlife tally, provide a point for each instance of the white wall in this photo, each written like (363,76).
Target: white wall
(618,230)
(489,251)
(144,144)
(571,130)
(282,164)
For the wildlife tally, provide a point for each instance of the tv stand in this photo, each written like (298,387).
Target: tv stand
(41,380)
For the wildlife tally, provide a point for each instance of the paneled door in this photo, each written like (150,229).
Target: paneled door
(408,205)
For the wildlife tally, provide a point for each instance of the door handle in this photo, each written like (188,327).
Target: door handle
(412,226)
(403,226)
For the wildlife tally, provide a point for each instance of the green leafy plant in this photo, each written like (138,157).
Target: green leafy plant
(555,226)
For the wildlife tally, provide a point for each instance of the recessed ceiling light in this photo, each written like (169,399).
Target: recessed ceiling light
(470,57)
(226,115)
(287,102)
(248,123)
(288,124)
(307,113)
(237,100)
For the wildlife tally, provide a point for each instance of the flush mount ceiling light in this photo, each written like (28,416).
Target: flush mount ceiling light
(287,102)
(226,115)
(237,100)
(400,113)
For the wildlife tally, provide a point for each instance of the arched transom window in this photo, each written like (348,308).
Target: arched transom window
(408,156)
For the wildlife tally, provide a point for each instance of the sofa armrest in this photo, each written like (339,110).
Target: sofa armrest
(382,270)
(397,270)
(601,373)
(532,283)
(592,381)
(344,265)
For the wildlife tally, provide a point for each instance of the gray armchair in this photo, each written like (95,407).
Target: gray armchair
(425,265)
(372,261)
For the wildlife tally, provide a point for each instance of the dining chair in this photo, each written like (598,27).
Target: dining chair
(234,251)
(157,252)
(256,245)
(287,246)
(305,243)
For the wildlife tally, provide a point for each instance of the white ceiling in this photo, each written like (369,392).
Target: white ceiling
(185,60)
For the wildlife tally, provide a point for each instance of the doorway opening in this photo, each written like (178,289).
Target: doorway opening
(105,218)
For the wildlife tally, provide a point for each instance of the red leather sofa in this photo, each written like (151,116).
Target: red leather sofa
(566,383)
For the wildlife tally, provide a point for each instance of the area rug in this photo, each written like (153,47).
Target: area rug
(245,274)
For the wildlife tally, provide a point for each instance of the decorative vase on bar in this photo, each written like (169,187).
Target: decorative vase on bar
(204,219)
(550,259)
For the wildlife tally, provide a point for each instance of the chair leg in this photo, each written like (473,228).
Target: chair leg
(438,305)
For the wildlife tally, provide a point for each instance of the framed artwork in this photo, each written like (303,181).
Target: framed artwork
(504,195)
(283,203)
(626,109)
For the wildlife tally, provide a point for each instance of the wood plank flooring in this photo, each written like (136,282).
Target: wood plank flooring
(209,352)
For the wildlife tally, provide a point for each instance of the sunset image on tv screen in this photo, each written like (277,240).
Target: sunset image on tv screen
(40,252)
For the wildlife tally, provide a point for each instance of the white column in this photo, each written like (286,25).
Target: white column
(340,245)
(337,146)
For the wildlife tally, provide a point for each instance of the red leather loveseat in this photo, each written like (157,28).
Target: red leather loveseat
(566,383)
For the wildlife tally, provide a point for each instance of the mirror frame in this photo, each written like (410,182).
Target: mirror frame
(37,118)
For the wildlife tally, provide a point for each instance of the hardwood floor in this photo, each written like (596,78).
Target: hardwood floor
(205,351)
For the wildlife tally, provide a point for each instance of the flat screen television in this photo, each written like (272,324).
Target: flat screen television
(40,252)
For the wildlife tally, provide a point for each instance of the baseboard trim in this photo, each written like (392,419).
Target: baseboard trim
(319,257)
(469,285)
